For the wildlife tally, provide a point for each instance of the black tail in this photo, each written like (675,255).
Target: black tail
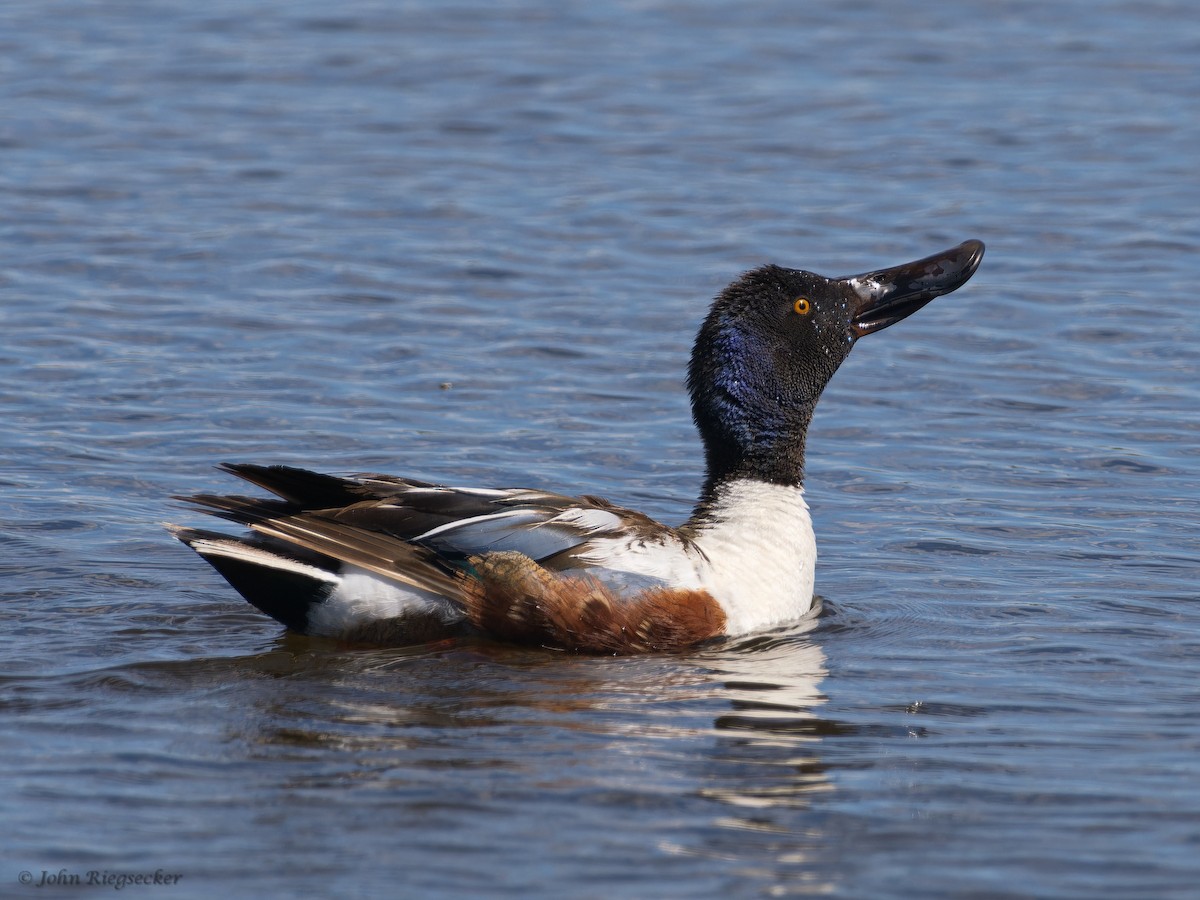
(286,589)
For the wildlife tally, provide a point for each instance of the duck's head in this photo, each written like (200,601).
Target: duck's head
(772,341)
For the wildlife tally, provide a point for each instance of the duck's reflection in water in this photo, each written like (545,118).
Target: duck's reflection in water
(752,702)
(712,755)
(767,741)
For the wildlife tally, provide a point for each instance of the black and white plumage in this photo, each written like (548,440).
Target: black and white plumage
(394,560)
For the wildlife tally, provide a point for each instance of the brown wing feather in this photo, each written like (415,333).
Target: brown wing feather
(390,557)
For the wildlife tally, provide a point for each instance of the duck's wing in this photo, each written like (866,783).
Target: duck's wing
(392,560)
(451,522)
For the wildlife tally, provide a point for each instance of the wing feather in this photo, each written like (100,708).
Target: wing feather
(390,557)
(419,533)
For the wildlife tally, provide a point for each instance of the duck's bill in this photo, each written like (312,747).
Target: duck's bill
(889,295)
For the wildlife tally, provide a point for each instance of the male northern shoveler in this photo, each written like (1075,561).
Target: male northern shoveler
(394,560)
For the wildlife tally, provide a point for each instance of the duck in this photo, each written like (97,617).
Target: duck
(387,560)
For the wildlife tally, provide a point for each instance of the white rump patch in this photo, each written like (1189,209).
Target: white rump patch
(362,597)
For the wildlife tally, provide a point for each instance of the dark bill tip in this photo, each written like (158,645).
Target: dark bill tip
(889,295)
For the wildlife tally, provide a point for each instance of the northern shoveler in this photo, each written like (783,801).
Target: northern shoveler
(394,560)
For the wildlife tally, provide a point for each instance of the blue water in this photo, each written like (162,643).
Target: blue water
(471,242)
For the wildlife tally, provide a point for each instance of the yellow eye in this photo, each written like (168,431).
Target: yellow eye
(802,305)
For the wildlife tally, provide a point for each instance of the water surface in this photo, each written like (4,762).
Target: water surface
(472,243)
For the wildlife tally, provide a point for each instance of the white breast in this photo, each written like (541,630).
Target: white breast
(754,552)
(761,552)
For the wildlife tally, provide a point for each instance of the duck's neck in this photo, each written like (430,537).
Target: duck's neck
(776,459)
